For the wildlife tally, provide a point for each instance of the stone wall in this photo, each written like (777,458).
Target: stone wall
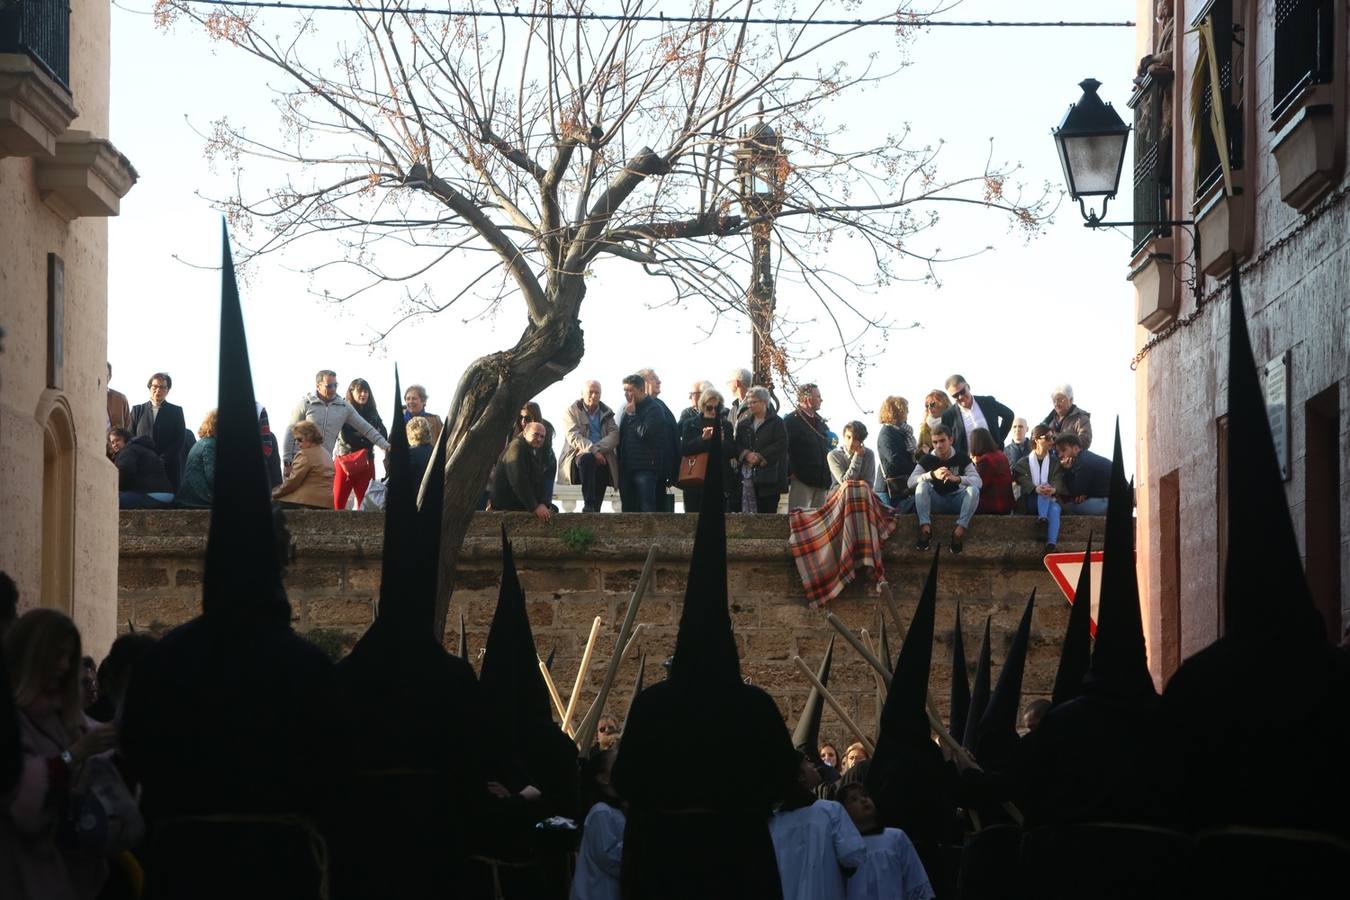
(334,581)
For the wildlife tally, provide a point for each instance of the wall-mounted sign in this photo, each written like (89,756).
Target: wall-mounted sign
(1277,408)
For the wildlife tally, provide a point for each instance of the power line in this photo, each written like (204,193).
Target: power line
(525,15)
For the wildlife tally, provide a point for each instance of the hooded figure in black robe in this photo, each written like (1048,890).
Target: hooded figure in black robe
(806,736)
(1094,757)
(232,714)
(528,750)
(411,715)
(689,835)
(1260,720)
(907,776)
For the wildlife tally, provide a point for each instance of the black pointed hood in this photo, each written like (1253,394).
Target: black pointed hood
(905,712)
(512,687)
(242,580)
(427,568)
(979,692)
(1119,658)
(960,694)
(806,736)
(637,687)
(1075,654)
(705,650)
(1265,586)
(997,734)
(400,554)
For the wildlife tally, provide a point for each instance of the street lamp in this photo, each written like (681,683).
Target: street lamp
(761,169)
(1091,141)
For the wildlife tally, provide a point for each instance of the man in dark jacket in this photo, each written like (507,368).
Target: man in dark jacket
(808,446)
(520,481)
(141,479)
(1087,477)
(643,449)
(970,411)
(163,423)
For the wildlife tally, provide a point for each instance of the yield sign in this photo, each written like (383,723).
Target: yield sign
(1065,569)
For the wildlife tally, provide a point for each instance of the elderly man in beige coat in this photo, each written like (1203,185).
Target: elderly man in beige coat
(590,447)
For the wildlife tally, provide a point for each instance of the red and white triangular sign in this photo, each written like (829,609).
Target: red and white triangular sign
(1065,568)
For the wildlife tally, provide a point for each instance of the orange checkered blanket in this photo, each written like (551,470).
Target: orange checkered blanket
(831,543)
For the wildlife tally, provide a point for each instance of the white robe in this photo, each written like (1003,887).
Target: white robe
(812,844)
(601,855)
(891,871)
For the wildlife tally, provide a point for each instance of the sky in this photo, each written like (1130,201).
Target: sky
(1017,320)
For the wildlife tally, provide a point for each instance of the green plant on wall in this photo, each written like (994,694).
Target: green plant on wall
(578,539)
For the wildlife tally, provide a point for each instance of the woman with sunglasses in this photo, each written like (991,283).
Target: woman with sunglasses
(696,437)
(935,403)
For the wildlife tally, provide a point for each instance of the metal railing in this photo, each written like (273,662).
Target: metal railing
(1304,42)
(1152,161)
(41,30)
(1209,162)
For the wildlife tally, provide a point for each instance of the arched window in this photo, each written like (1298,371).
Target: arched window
(58,504)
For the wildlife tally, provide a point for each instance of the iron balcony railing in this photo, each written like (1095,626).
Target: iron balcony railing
(41,30)
(1304,41)
(1152,161)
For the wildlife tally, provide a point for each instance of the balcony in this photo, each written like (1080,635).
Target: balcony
(35,101)
(1308,112)
(1151,266)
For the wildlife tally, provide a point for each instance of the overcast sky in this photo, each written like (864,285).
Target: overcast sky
(1016,321)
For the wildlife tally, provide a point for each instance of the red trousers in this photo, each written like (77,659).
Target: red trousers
(352,472)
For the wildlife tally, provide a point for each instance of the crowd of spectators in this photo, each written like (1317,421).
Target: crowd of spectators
(970,455)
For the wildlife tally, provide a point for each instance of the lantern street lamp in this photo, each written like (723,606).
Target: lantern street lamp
(761,170)
(1091,141)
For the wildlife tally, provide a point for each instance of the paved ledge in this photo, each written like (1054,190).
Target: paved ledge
(1008,541)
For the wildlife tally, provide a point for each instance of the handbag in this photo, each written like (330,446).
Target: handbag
(104,816)
(354,463)
(693,471)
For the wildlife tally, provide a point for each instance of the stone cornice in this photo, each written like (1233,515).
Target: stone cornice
(88,176)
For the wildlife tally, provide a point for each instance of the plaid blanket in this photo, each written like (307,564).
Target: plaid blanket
(832,542)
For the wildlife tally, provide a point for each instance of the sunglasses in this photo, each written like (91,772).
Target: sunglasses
(961,393)
(711,407)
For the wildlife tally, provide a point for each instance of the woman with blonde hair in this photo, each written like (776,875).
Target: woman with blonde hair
(42,652)
(895,450)
(935,403)
(309,484)
(199,472)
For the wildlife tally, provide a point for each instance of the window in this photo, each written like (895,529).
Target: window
(1304,42)
(1152,104)
(1217,99)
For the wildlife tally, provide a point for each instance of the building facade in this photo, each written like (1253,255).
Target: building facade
(1240,128)
(60,178)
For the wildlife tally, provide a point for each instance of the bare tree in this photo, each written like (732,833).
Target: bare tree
(538,148)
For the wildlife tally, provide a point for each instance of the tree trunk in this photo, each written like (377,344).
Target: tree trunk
(490,393)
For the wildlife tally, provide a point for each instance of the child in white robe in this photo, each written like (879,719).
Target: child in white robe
(600,856)
(816,843)
(891,869)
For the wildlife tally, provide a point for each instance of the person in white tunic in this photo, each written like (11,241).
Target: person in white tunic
(600,856)
(891,870)
(816,843)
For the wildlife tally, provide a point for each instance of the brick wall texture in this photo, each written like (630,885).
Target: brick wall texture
(334,581)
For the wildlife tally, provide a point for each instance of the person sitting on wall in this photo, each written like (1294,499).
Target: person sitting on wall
(199,475)
(895,451)
(309,478)
(935,403)
(970,411)
(1042,482)
(996,480)
(944,481)
(1087,477)
(590,447)
(142,482)
(852,461)
(420,447)
(520,478)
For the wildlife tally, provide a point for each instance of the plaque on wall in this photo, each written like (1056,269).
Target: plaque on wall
(1277,408)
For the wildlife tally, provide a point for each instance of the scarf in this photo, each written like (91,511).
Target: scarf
(1042,475)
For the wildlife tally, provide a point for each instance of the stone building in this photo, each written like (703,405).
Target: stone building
(1257,162)
(60,178)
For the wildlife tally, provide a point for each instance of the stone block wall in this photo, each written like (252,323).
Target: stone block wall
(587,565)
